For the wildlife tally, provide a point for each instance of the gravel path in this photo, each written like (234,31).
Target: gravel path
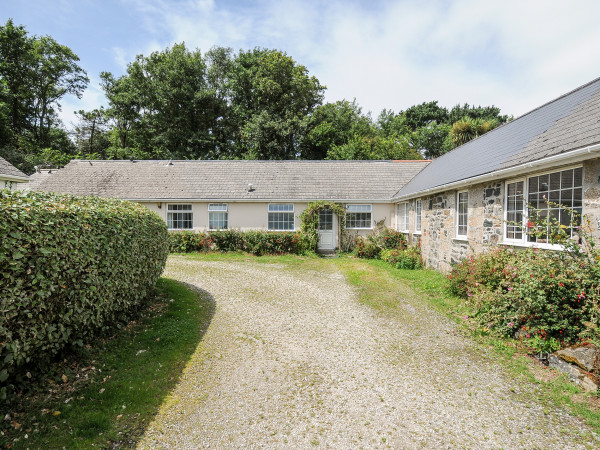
(292,359)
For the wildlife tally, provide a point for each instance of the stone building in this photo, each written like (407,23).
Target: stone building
(481,194)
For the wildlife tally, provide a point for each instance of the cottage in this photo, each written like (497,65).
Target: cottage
(244,195)
(11,178)
(479,195)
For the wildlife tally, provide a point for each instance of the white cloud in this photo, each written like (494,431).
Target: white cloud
(514,54)
(92,98)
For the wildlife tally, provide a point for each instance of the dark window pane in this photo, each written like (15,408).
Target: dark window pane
(567,179)
(533,184)
(578,177)
(555,180)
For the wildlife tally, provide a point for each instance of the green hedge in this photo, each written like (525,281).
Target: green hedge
(70,267)
(256,242)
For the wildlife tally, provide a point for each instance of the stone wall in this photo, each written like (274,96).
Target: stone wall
(440,246)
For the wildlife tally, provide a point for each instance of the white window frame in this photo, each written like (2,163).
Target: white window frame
(459,215)
(418,216)
(280,208)
(189,211)
(359,209)
(523,242)
(402,214)
(220,209)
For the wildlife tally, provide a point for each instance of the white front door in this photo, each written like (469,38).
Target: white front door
(326,230)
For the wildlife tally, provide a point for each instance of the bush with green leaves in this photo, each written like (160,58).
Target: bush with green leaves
(255,242)
(70,267)
(403,258)
(547,296)
(382,238)
(188,241)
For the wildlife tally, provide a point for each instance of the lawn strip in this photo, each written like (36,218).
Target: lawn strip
(127,377)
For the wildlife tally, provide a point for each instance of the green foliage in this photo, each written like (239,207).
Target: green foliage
(310,221)
(366,248)
(546,295)
(380,240)
(36,72)
(376,147)
(69,268)
(468,129)
(403,258)
(255,242)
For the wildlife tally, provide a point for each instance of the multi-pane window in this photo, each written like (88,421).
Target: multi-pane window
(179,217)
(403,217)
(217,216)
(514,210)
(358,216)
(281,217)
(557,196)
(326,220)
(462,213)
(418,216)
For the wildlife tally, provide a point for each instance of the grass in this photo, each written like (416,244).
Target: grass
(113,388)
(380,285)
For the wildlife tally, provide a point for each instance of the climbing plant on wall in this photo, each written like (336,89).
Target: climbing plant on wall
(310,220)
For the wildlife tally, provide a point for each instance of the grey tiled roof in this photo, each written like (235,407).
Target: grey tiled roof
(7,168)
(228,180)
(568,123)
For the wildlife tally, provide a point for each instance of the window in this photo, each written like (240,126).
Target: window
(462,214)
(358,216)
(403,217)
(217,216)
(281,217)
(418,216)
(179,217)
(543,193)
(326,220)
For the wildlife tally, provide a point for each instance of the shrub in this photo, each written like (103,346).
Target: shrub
(255,242)
(70,267)
(388,238)
(188,241)
(407,258)
(546,296)
(365,248)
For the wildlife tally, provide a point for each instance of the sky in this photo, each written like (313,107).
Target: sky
(516,55)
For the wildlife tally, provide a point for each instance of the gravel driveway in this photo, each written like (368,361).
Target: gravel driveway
(292,359)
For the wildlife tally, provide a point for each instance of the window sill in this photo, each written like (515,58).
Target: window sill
(461,238)
(531,245)
(359,228)
(417,232)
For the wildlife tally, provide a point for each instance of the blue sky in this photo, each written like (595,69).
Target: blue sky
(386,54)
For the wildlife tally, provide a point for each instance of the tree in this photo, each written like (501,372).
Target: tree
(334,125)
(35,74)
(432,140)
(377,147)
(90,133)
(468,129)
(476,112)
(271,96)
(421,115)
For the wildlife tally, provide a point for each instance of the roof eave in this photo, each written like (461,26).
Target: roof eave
(23,178)
(580,154)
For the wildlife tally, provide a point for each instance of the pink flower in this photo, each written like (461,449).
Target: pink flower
(510,324)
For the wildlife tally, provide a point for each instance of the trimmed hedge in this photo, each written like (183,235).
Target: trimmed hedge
(69,268)
(255,242)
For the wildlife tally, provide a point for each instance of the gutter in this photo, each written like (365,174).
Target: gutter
(14,177)
(249,200)
(581,154)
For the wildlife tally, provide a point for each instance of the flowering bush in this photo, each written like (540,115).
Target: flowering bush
(365,248)
(388,238)
(407,258)
(547,296)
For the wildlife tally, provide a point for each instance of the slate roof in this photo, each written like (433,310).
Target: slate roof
(7,168)
(228,180)
(570,122)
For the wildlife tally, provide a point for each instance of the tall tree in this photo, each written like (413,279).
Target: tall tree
(334,124)
(90,134)
(35,74)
